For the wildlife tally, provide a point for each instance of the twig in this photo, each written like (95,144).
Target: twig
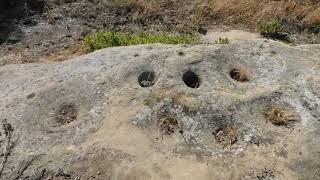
(8,129)
(149,74)
(24,167)
(41,175)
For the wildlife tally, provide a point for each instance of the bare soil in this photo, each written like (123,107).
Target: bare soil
(52,30)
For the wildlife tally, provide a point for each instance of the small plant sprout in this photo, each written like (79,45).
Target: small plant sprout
(270,27)
(222,41)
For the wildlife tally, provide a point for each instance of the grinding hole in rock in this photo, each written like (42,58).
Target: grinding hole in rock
(239,74)
(280,116)
(169,125)
(30,96)
(67,113)
(227,135)
(191,79)
(147,79)
(181,53)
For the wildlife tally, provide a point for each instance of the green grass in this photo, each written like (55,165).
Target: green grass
(222,41)
(270,27)
(101,40)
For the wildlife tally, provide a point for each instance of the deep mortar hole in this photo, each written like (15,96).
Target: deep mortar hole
(181,53)
(239,74)
(67,113)
(191,79)
(147,79)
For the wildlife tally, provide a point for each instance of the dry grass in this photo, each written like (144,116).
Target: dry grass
(313,18)
(280,117)
(142,9)
(67,113)
(251,12)
(168,125)
(227,136)
(195,13)
(240,74)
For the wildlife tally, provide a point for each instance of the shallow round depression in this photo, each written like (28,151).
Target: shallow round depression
(147,79)
(67,113)
(191,79)
(239,74)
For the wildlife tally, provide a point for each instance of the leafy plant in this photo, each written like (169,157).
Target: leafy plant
(101,40)
(274,29)
(270,27)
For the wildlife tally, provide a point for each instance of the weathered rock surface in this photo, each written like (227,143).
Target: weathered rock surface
(90,118)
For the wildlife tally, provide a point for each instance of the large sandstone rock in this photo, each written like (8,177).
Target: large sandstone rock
(129,113)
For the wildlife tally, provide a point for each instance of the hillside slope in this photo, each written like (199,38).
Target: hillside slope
(43,31)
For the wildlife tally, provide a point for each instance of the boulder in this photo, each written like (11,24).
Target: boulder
(245,110)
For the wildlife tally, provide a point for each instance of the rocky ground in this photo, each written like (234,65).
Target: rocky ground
(247,110)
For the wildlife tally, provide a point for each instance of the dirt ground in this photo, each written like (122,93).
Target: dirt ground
(50,31)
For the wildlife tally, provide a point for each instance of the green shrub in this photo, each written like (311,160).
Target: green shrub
(222,41)
(271,27)
(101,40)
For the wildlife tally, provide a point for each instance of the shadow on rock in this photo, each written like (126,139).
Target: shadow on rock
(16,12)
